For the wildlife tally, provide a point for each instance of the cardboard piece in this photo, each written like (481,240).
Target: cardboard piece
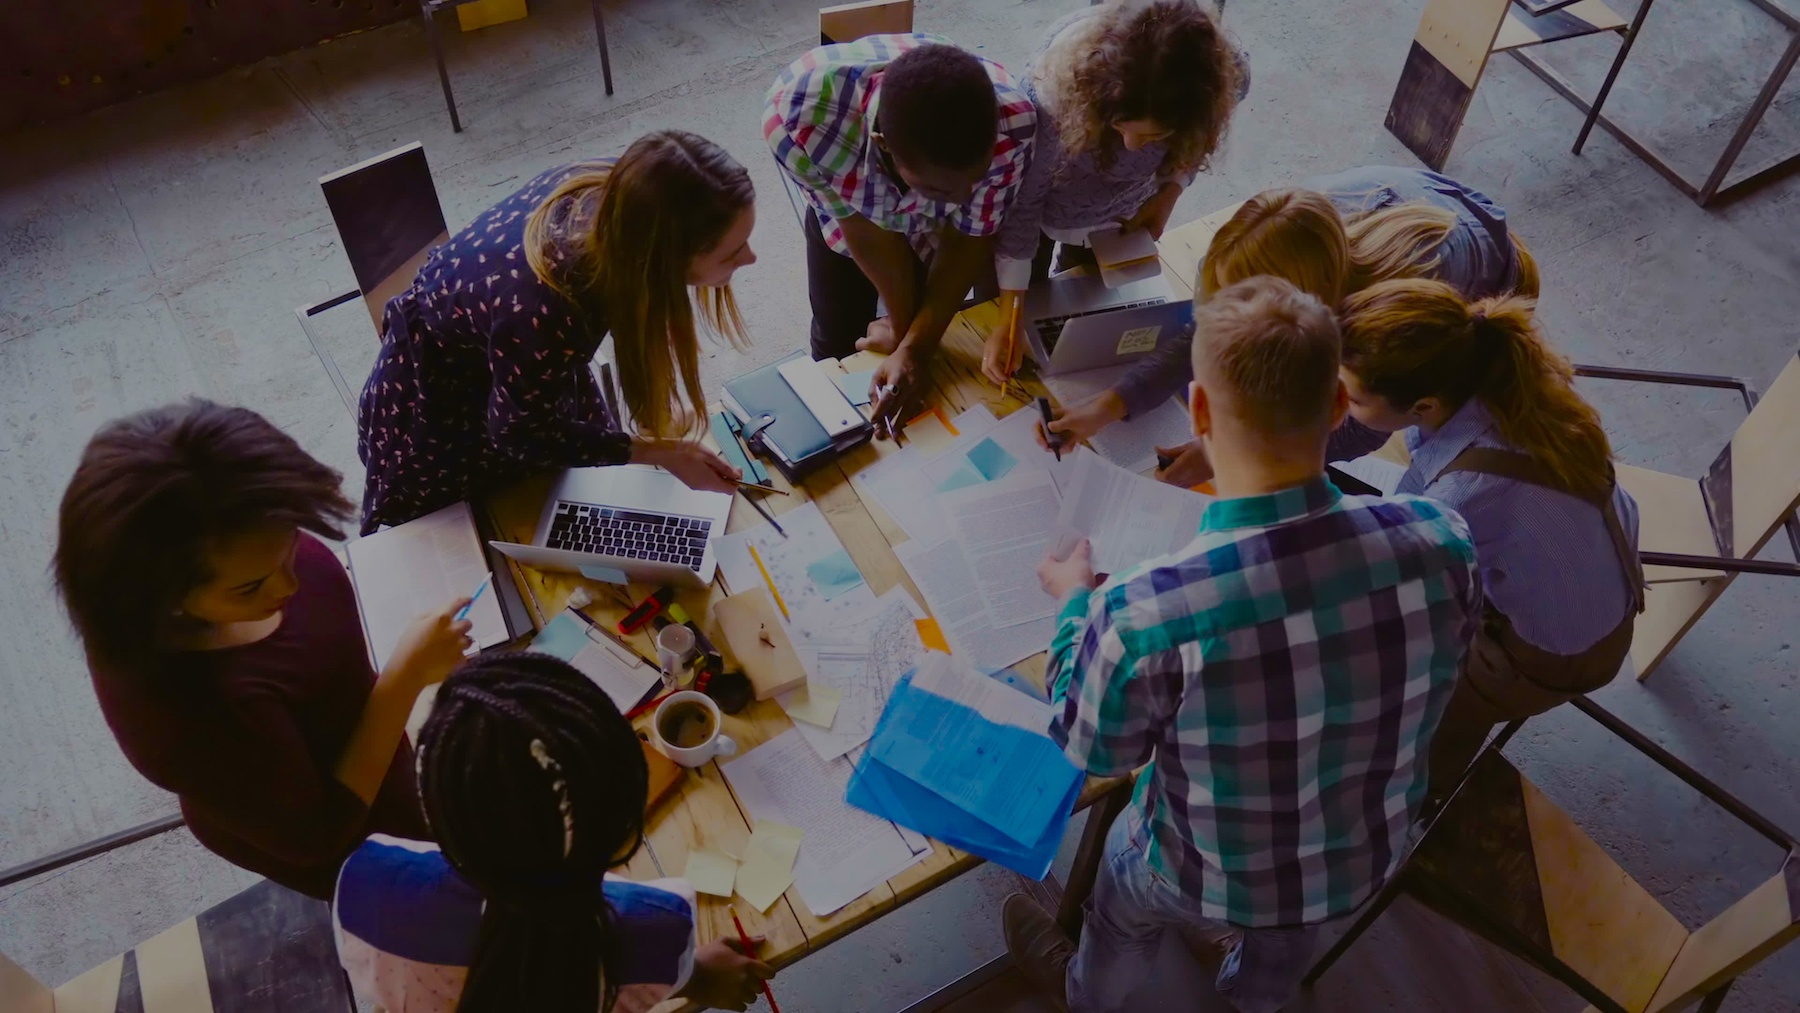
(665,774)
(752,632)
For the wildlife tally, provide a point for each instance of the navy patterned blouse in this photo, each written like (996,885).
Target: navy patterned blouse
(483,376)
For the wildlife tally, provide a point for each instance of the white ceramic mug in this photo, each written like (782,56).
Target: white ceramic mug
(716,744)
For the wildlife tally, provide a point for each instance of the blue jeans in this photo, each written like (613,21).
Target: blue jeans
(1130,909)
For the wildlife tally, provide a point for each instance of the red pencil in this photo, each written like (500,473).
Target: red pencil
(744,937)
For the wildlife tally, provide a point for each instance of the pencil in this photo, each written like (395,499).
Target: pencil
(744,937)
(763,488)
(1012,328)
(769,581)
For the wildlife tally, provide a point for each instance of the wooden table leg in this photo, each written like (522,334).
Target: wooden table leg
(1088,857)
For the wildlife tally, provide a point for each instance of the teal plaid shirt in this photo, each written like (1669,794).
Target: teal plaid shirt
(1282,674)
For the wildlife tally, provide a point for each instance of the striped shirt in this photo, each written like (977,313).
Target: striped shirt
(407,924)
(819,117)
(1546,559)
(1282,675)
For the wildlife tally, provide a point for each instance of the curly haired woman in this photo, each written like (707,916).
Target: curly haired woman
(1132,99)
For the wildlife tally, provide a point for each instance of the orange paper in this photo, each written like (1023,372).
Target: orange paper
(931,635)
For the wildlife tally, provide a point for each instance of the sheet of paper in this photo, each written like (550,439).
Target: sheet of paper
(845,852)
(1379,472)
(1128,517)
(856,386)
(1130,444)
(710,872)
(947,581)
(422,566)
(814,704)
(809,540)
(768,866)
(904,484)
(1005,528)
(979,745)
(861,660)
(834,575)
(624,677)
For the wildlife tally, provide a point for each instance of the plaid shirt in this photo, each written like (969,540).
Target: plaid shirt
(1284,672)
(818,119)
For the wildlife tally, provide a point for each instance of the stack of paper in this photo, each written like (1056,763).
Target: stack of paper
(404,572)
(1128,518)
(967,760)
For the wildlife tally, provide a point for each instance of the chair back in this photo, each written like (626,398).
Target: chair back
(388,218)
(849,22)
(1754,484)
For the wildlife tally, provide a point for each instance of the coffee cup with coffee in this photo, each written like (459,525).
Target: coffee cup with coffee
(687,729)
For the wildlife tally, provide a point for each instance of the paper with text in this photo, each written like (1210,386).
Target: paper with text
(1127,517)
(844,852)
(1005,528)
(1379,472)
(947,581)
(404,572)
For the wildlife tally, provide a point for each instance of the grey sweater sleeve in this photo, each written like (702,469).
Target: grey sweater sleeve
(1019,231)
(1156,377)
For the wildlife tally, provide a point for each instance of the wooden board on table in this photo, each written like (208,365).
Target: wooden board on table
(1184,248)
(1438,80)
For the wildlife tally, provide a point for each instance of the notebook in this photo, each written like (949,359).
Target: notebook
(406,571)
(792,412)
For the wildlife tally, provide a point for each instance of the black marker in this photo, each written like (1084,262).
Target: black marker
(1051,438)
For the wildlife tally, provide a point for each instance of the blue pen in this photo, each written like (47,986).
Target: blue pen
(463,613)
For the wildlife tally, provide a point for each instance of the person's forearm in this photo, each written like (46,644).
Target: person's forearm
(1158,376)
(370,752)
(887,260)
(959,262)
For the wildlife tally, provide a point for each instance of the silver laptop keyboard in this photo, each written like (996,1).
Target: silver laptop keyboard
(629,534)
(1050,329)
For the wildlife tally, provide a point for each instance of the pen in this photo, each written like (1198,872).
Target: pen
(1043,404)
(762,488)
(767,516)
(463,613)
(744,937)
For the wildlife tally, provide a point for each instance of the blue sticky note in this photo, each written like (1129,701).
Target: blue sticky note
(856,386)
(991,460)
(963,477)
(604,574)
(562,637)
(835,575)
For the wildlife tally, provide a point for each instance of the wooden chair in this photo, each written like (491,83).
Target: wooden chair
(265,948)
(1697,536)
(388,219)
(1505,862)
(429,7)
(1455,38)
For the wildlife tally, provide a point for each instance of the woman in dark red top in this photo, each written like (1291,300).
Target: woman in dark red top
(225,644)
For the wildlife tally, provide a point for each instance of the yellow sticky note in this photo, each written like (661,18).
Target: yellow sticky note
(710,872)
(768,867)
(932,635)
(813,704)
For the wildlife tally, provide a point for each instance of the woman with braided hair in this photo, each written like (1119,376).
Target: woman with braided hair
(534,785)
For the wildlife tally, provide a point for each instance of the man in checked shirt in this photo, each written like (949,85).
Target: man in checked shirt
(1281,675)
(908,151)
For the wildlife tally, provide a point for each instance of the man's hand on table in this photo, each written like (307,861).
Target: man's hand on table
(896,388)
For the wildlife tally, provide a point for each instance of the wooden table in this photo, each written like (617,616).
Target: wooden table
(703,813)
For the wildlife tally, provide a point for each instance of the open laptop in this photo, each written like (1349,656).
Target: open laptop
(631,520)
(1074,322)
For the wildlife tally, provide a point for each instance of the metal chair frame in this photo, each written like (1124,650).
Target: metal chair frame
(429,7)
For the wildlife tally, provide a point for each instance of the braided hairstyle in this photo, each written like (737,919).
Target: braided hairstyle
(534,785)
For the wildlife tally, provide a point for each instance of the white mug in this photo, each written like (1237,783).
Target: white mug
(716,744)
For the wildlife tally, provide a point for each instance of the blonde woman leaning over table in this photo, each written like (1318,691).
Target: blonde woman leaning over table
(1331,236)
(1498,433)
(1132,99)
(483,376)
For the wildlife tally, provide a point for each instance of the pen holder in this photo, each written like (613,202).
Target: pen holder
(674,647)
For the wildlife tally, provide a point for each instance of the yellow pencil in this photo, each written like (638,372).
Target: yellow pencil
(1012,327)
(771,582)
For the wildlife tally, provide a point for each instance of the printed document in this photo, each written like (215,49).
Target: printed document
(1005,528)
(1129,518)
(944,576)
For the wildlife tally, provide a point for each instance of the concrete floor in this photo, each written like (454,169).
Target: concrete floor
(156,249)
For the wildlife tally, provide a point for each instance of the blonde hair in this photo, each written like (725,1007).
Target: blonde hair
(1165,61)
(1275,348)
(618,241)
(1299,235)
(1412,338)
